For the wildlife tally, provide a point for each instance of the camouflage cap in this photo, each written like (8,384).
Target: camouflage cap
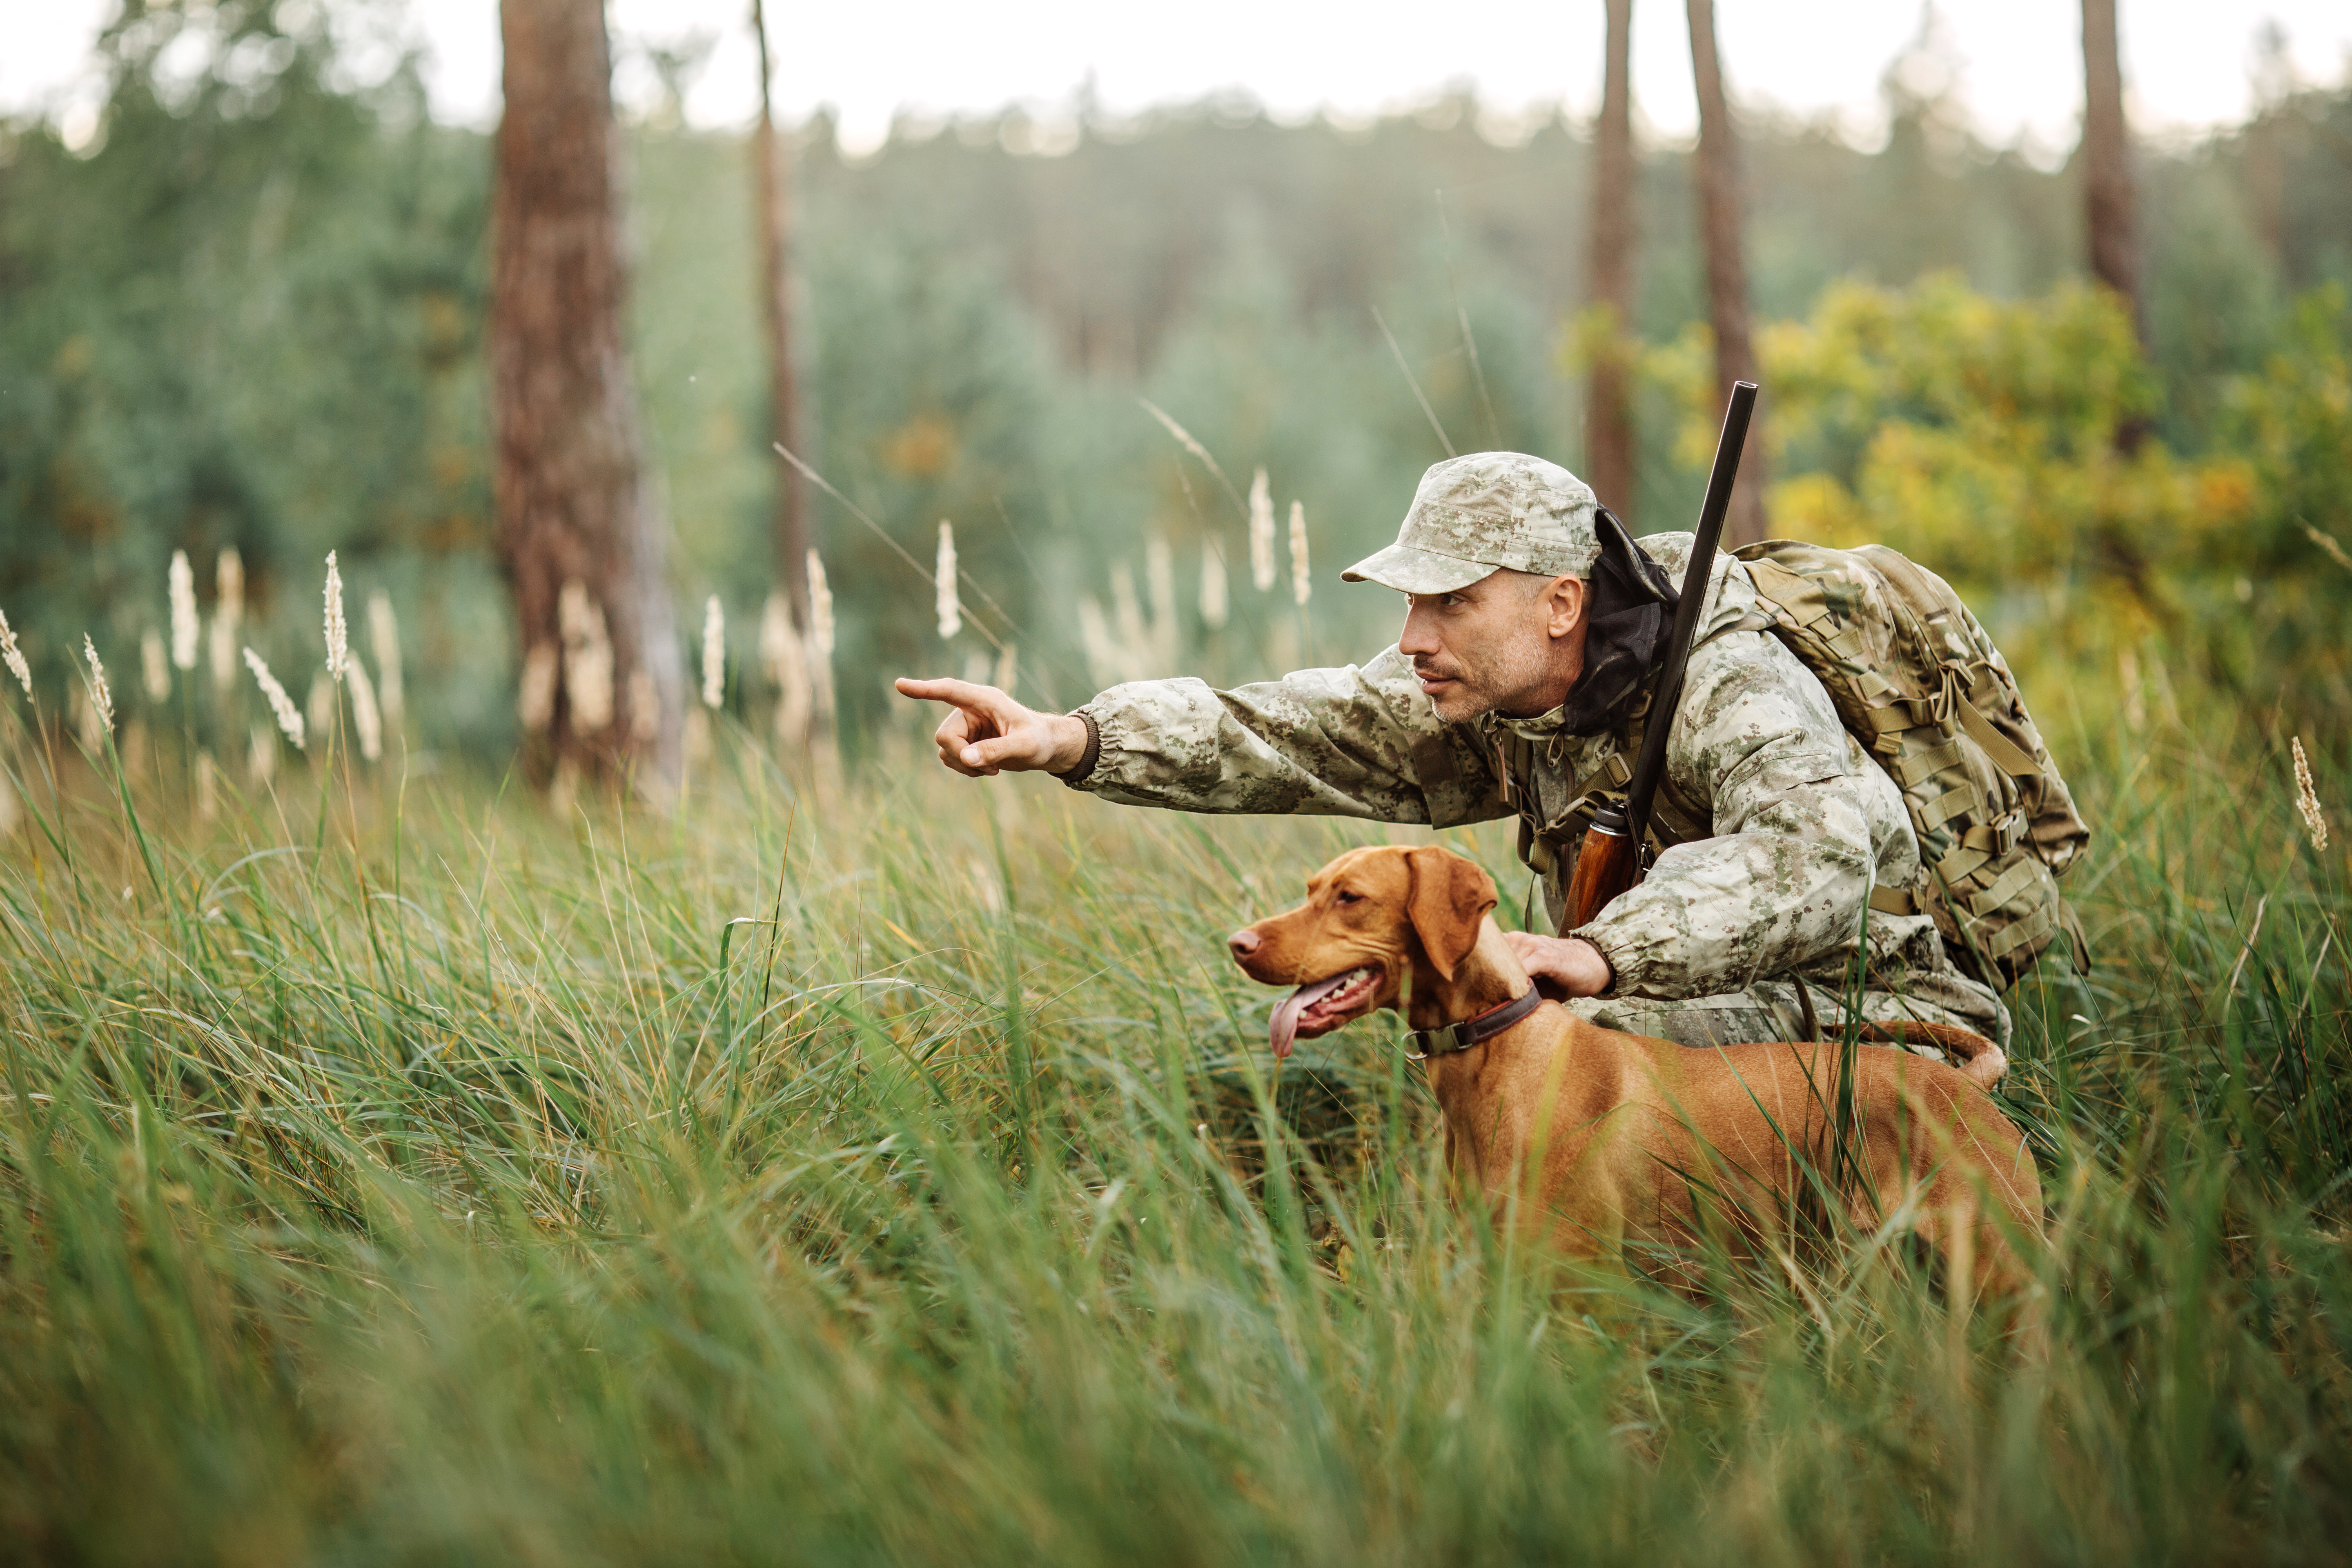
(1475,513)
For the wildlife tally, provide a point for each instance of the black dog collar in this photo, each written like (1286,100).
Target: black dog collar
(1461,1037)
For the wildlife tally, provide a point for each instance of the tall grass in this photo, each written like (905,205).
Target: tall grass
(891,1170)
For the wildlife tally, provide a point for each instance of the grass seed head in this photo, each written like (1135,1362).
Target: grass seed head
(338,640)
(1261,518)
(587,659)
(229,614)
(384,641)
(101,700)
(154,670)
(290,718)
(184,625)
(1214,607)
(1301,585)
(950,608)
(785,654)
(714,652)
(535,694)
(366,717)
(2306,800)
(820,608)
(15,656)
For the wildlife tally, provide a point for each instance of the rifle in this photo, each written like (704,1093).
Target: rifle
(1609,860)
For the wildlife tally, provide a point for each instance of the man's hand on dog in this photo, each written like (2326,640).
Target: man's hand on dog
(1561,966)
(986,732)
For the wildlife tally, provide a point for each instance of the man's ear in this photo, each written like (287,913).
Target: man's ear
(1566,603)
(1449,896)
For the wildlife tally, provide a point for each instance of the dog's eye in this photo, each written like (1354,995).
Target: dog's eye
(1346,897)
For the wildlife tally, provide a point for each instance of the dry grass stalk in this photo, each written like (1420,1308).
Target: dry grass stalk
(944,577)
(366,717)
(1301,585)
(318,703)
(101,698)
(1260,524)
(261,746)
(384,641)
(288,719)
(208,787)
(2306,800)
(154,670)
(338,640)
(229,614)
(1214,606)
(15,656)
(714,652)
(2326,541)
(184,625)
(10,814)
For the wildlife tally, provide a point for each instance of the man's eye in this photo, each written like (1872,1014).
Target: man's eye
(1346,897)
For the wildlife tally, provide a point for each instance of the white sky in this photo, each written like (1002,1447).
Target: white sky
(2188,63)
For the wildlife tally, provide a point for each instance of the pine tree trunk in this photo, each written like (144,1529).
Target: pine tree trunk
(2106,169)
(790,526)
(2107,205)
(1609,402)
(603,673)
(1727,265)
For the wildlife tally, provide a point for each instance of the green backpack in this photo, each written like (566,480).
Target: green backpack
(1919,684)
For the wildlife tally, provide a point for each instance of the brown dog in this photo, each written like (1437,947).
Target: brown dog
(1594,1138)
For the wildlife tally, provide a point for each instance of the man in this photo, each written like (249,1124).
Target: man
(1520,687)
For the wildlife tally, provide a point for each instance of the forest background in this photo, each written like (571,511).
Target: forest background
(252,315)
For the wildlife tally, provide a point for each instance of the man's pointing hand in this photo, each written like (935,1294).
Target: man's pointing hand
(986,732)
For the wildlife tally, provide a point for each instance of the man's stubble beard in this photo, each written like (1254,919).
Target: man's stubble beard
(1514,681)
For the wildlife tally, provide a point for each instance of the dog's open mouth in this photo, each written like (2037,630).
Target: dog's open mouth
(1319,1006)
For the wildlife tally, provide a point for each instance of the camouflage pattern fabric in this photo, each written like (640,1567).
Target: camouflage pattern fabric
(1775,825)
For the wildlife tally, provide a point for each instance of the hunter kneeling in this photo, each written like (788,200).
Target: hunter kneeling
(1521,685)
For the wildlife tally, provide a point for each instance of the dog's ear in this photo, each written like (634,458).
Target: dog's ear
(1449,896)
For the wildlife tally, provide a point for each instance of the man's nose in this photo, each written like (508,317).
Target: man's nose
(1244,942)
(1416,638)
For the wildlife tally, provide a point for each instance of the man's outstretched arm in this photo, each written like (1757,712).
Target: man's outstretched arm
(1341,743)
(986,732)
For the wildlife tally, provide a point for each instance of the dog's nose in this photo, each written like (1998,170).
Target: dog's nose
(1244,942)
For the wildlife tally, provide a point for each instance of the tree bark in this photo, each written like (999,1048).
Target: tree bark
(2107,205)
(1609,404)
(2106,168)
(1726,265)
(603,673)
(791,524)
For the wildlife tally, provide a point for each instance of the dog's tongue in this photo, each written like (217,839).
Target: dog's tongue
(1284,1026)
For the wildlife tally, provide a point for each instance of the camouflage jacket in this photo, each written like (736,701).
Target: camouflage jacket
(1774,822)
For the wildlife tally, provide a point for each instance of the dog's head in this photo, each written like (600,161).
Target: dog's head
(1371,918)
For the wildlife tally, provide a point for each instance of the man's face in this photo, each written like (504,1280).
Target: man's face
(1511,643)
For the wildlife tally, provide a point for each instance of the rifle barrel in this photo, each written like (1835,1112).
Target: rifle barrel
(1651,766)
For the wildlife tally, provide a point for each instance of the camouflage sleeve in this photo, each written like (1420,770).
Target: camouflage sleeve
(1801,820)
(1335,743)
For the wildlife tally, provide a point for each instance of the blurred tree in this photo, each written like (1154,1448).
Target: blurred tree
(1608,399)
(1727,265)
(2106,159)
(578,530)
(791,534)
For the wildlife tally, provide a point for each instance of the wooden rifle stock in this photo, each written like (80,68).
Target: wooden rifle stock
(1609,861)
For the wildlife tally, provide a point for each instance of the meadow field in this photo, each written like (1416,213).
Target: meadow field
(870,1165)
